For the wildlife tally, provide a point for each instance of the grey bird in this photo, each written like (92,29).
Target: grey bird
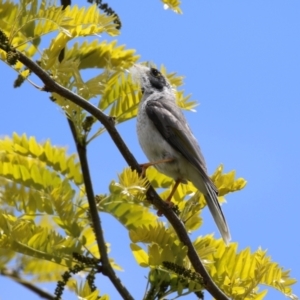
(168,142)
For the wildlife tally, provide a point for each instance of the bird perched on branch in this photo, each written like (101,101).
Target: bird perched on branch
(168,142)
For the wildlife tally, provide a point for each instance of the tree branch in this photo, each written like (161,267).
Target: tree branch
(152,196)
(105,264)
(14,276)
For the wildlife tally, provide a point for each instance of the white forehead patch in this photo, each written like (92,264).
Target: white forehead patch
(138,72)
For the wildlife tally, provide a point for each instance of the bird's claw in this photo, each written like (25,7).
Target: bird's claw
(144,167)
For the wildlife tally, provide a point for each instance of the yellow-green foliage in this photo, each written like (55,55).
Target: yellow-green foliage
(239,274)
(43,211)
(26,22)
(44,215)
(25,25)
(84,291)
(126,201)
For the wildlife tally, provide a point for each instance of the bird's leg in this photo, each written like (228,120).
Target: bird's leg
(161,161)
(149,164)
(168,200)
(173,191)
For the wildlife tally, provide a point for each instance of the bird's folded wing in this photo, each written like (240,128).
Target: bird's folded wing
(171,124)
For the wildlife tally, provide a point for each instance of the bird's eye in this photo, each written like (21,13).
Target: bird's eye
(142,90)
(156,79)
(155,72)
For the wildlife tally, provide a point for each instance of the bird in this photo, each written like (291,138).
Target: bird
(168,142)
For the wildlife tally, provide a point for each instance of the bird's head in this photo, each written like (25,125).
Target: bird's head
(151,80)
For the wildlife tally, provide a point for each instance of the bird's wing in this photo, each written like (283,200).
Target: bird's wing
(173,127)
(171,123)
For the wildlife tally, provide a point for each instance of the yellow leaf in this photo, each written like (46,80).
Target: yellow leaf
(154,255)
(140,255)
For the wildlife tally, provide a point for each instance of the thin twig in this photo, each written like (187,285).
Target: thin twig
(152,196)
(14,276)
(106,267)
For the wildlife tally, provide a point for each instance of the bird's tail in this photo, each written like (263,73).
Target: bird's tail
(216,211)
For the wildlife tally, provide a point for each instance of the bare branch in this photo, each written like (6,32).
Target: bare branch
(106,267)
(15,276)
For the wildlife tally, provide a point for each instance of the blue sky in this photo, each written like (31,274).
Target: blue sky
(241,62)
